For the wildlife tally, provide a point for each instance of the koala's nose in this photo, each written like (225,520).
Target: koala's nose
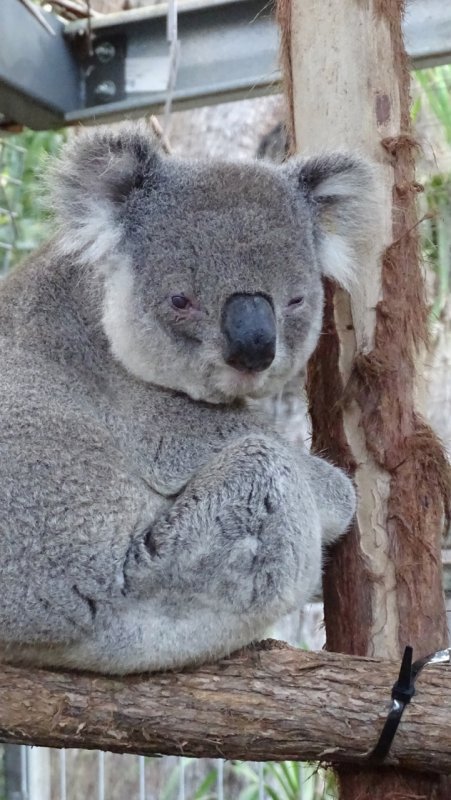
(249,327)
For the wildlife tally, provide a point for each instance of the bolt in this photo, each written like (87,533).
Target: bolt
(105,90)
(105,51)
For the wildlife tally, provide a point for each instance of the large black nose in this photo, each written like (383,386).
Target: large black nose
(249,327)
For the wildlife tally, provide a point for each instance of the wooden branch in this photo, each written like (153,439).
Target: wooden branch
(270,702)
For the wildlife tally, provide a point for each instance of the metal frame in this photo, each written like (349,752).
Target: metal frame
(229,50)
(39,78)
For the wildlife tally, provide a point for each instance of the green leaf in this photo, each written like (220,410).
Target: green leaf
(202,792)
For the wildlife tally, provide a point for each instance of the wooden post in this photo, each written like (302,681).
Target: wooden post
(348,88)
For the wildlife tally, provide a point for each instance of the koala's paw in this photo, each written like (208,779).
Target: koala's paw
(269,528)
(335,497)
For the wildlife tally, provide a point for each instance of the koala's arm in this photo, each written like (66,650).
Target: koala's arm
(333,491)
(239,548)
(334,494)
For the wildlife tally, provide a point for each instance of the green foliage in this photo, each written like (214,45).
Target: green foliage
(436,90)
(287,780)
(435,205)
(22,215)
(206,789)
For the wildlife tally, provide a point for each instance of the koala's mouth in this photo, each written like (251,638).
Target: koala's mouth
(247,378)
(236,384)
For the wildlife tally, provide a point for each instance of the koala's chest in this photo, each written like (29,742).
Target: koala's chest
(166,438)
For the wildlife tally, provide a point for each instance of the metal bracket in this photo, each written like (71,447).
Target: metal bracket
(228,50)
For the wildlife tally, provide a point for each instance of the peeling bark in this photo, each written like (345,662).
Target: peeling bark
(383,584)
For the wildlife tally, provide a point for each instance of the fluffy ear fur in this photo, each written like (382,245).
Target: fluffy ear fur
(90,182)
(341,192)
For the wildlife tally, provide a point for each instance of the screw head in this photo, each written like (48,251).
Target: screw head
(105,52)
(105,90)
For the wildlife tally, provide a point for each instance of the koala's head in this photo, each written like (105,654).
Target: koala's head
(212,271)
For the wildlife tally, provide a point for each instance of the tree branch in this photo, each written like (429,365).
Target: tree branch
(270,702)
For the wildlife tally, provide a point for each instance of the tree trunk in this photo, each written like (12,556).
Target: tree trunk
(267,703)
(348,87)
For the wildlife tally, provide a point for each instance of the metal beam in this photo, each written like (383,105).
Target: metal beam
(39,77)
(427,32)
(229,51)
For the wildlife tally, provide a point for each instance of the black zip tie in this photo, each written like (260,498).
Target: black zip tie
(401,694)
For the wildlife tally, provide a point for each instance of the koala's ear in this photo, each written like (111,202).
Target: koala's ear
(342,194)
(91,181)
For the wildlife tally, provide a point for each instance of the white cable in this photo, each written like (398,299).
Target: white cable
(174,57)
(62,765)
(220,779)
(142,778)
(261,782)
(101,775)
(182,779)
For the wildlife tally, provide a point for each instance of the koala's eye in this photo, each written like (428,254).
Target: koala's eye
(296,301)
(180,302)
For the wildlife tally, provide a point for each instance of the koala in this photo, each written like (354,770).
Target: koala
(150,515)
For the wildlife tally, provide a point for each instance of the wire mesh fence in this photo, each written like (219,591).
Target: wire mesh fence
(42,774)
(12,157)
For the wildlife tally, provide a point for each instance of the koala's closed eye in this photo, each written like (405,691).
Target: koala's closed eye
(296,302)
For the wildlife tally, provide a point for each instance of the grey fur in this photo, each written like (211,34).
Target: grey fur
(149,517)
